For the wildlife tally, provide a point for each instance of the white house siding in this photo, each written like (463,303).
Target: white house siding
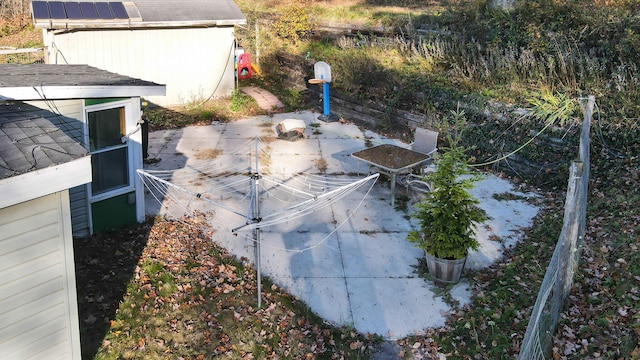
(69,115)
(38,307)
(194,63)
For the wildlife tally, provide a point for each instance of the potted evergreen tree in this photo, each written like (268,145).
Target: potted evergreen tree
(448,214)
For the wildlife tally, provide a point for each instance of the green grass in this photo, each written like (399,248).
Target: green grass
(202,112)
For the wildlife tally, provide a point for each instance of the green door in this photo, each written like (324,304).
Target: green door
(114,212)
(112,190)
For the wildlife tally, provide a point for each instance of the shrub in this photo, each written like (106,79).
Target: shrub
(448,214)
(293,23)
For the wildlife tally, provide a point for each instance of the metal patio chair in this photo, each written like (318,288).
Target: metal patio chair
(416,186)
(425,141)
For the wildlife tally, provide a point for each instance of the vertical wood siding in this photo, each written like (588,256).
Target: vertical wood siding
(38,309)
(194,63)
(79,211)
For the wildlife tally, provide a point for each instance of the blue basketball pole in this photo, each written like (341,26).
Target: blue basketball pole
(325,91)
(326,115)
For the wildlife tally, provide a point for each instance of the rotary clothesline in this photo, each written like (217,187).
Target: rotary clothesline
(225,191)
(307,207)
(327,191)
(227,198)
(227,184)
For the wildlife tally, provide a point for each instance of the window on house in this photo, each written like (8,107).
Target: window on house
(109,154)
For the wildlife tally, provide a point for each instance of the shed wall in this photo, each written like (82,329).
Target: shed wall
(194,63)
(38,306)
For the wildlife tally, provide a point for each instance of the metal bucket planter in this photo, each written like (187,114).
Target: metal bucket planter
(443,270)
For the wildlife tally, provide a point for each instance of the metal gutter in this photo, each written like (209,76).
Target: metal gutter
(57,92)
(68,25)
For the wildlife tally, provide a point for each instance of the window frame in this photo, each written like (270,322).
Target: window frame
(128,114)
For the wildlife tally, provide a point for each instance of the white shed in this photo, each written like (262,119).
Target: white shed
(189,45)
(100,110)
(69,148)
(38,306)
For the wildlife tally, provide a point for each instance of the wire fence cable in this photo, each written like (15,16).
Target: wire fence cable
(558,279)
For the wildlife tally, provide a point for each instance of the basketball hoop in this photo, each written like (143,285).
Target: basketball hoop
(316,81)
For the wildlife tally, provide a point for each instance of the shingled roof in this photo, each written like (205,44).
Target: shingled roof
(219,11)
(30,142)
(158,13)
(40,81)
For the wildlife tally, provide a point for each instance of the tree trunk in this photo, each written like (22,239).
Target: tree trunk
(11,8)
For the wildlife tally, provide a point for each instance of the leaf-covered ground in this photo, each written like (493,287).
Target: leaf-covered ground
(165,290)
(602,317)
(18,32)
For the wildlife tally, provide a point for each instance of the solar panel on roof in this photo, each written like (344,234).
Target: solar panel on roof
(73,10)
(56,10)
(119,12)
(104,10)
(88,10)
(40,10)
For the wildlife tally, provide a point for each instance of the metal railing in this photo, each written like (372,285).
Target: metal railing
(558,279)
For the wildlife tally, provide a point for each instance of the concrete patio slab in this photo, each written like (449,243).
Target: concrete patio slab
(395,307)
(350,261)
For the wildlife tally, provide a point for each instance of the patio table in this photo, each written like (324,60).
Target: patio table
(391,160)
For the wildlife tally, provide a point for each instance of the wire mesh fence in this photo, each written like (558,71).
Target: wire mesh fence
(558,279)
(21,56)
